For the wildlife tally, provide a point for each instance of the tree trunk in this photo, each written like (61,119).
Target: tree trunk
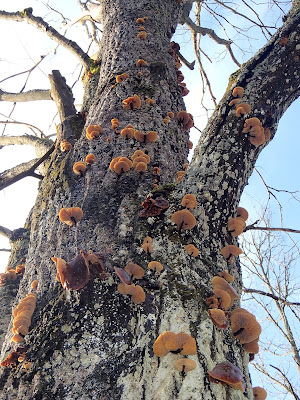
(95,343)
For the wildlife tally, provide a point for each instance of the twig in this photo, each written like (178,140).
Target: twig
(261,292)
(31,95)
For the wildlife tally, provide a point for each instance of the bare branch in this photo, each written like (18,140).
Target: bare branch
(261,292)
(288,383)
(8,250)
(5,232)
(267,228)
(31,127)
(39,23)
(40,145)
(31,95)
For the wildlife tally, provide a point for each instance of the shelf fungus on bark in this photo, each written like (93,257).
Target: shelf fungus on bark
(132,102)
(191,250)
(238,91)
(136,292)
(127,133)
(93,131)
(185,365)
(189,201)
(242,213)
(227,373)
(219,317)
(190,145)
(166,120)
(90,159)
(114,123)
(185,119)
(15,358)
(242,108)
(257,134)
(79,168)
(9,275)
(65,145)
(220,283)
(141,20)
(120,78)
(180,175)
(226,275)
(120,165)
(244,325)
(180,343)
(231,251)
(184,219)
(134,271)
(155,266)
(236,226)
(142,35)
(130,272)
(150,102)
(73,275)
(20,269)
(141,63)
(259,393)
(70,216)
(147,245)
(150,136)
(22,315)
(153,207)
(170,114)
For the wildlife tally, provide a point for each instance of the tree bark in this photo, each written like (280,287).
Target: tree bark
(94,343)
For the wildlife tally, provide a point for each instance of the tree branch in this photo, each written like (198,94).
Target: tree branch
(261,292)
(31,95)
(40,145)
(267,228)
(5,232)
(39,23)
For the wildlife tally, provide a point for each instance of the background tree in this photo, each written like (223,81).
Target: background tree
(95,335)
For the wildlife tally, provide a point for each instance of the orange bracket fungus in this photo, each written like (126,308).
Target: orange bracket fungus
(219,317)
(170,114)
(20,269)
(185,365)
(22,317)
(259,393)
(114,123)
(227,373)
(79,168)
(192,250)
(166,120)
(184,219)
(180,175)
(151,102)
(142,35)
(236,226)
(134,271)
(226,275)
(220,283)
(147,245)
(93,131)
(189,201)
(9,275)
(230,251)
(137,292)
(147,137)
(242,213)
(127,133)
(185,119)
(70,216)
(73,275)
(155,266)
(244,325)
(242,108)
(90,159)
(120,165)
(141,63)
(141,20)
(120,78)
(180,343)
(251,348)
(132,103)
(238,91)
(14,358)
(153,207)
(65,145)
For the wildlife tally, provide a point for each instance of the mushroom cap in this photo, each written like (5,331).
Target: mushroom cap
(250,123)
(151,102)
(75,213)
(192,250)
(134,271)
(94,128)
(151,136)
(18,338)
(257,136)
(236,226)
(141,63)
(113,163)
(166,120)
(90,159)
(123,275)
(234,102)
(226,275)
(224,298)
(73,275)
(184,219)
(127,133)
(259,393)
(120,78)
(170,114)
(140,136)
(189,201)
(220,283)
(132,102)
(147,247)
(227,373)
(242,108)
(251,347)
(142,35)
(159,346)
(129,162)
(147,239)
(238,91)
(185,365)
(219,317)
(155,266)
(267,133)
(79,168)
(139,159)
(230,251)
(242,213)
(181,343)
(141,166)
(244,325)
(34,284)
(65,145)
(137,153)
(121,166)
(123,288)
(138,295)
(212,302)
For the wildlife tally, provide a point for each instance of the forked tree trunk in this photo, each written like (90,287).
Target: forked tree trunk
(95,343)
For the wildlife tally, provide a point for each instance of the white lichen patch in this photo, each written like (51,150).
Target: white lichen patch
(66,328)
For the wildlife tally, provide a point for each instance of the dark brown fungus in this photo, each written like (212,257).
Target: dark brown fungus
(227,373)
(73,275)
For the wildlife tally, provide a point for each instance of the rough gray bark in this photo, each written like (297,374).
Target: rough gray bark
(95,343)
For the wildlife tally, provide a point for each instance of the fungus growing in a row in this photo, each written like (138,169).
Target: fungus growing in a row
(141,159)
(151,102)
(71,216)
(9,275)
(142,28)
(22,317)
(192,250)
(226,275)
(141,20)
(127,133)
(73,275)
(242,213)
(238,91)
(184,219)
(141,63)
(234,102)
(153,207)
(227,373)
(140,153)
(142,35)
(250,123)
(189,201)
(120,78)
(242,108)
(223,297)
(156,171)
(150,136)
(114,123)
(65,145)
(259,393)
(257,134)
(185,365)
(230,251)
(220,283)
(180,343)
(132,102)
(219,318)
(244,325)
(155,266)
(120,165)
(185,119)
(93,131)
(141,166)
(236,226)
(212,302)
(79,168)
(90,159)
